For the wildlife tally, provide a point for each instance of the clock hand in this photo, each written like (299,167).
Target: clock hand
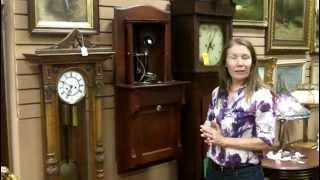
(211,45)
(69,91)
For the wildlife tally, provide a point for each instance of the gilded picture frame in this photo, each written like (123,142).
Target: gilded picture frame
(314,27)
(267,70)
(290,74)
(62,16)
(251,13)
(288,27)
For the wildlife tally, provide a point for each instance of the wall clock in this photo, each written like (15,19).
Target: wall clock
(71,87)
(211,41)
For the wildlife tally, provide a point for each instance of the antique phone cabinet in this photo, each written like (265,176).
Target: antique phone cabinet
(148,100)
(72,83)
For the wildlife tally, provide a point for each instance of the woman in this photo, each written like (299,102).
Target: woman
(241,118)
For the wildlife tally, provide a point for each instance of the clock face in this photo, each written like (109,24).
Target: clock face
(71,87)
(211,43)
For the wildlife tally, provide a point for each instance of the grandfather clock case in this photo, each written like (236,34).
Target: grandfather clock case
(73,146)
(148,100)
(200,30)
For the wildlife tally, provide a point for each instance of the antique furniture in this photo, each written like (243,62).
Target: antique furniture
(293,170)
(200,30)
(148,100)
(72,85)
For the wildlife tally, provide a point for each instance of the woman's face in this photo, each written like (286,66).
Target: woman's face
(238,63)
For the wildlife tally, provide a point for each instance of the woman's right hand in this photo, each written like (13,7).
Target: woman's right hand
(212,134)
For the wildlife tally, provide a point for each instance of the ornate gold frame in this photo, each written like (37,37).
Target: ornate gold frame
(314,26)
(42,21)
(280,46)
(249,22)
(269,65)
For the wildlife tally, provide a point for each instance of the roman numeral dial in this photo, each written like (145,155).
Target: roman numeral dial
(71,87)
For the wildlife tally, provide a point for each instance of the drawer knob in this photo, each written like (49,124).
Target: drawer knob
(158,108)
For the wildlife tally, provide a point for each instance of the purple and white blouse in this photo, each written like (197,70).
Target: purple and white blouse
(241,118)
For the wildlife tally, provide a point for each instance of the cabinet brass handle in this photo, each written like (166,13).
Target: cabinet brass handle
(158,108)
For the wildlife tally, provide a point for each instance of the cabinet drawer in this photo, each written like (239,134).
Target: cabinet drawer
(147,97)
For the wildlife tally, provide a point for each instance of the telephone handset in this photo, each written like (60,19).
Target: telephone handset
(142,58)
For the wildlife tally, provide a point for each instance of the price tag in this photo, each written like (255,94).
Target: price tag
(84,51)
(205,58)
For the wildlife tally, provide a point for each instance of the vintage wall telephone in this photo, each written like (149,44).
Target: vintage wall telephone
(142,68)
(146,51)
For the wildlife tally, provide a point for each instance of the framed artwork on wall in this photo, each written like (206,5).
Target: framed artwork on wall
(288,26)
(290,75)
(267,70)
(61,16)
(251,13)
(314,27)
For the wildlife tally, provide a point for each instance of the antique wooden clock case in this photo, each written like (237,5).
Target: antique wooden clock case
(148,100)
(197,44)
(84,149)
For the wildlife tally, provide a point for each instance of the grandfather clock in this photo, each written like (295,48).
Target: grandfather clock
(200,30)
(148,100)
(72,85)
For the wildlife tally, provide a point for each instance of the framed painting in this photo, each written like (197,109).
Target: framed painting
(290,75)
(288,27)
(61,16)
(267,70)
(314,27)
(251,13)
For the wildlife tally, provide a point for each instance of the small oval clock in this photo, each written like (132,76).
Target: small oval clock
(71,87)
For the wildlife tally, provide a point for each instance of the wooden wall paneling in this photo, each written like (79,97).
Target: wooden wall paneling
(21,22)
(101,39)
(28,81)
(105,26)
(248,32)
(24,67)
(105,12)
(21,7)
(20,49)
(31,142)
(29,96)
(29,111)
(256,41)
(259,50)
(24,37)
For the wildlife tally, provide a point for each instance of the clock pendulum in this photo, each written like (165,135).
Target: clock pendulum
(68,169)
(71,89)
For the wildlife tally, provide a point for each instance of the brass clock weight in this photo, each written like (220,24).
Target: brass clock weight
(72,85)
